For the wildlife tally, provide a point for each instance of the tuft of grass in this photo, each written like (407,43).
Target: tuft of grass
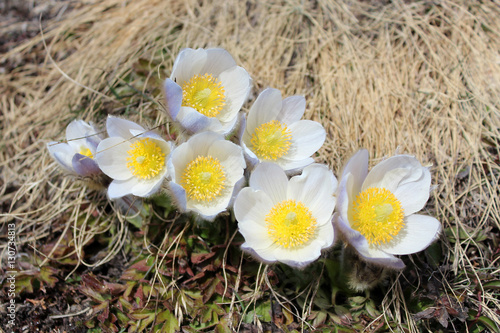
(418,78)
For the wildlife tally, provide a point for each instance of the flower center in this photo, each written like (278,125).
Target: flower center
(205,94)
(145,159)
(86,152)
(290,224)
(203,179)
(377,214)
(271,140)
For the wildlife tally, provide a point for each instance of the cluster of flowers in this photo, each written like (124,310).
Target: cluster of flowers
(284,218)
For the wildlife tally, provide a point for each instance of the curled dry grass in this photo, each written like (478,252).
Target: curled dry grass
(412,77)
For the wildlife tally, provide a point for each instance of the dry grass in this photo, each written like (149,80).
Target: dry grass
(415,77)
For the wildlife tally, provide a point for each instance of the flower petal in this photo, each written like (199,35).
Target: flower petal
(118,127)
(195,122)
(62,153)
(307,137)
(252,206)
(292,109)
(85,166)
(111,156)
(360,244)
(393,171)
(418,233)
(266,107)
(237,84)
(231,158)
(218,61)
(413,195)
(315,188)
(173,96)
(178,194)
(188,63)
(119,188)
(357,166)
(271,179)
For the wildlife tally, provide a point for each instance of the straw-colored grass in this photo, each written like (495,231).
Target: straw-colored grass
(421,78)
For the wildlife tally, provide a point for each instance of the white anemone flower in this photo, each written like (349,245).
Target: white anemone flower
(206,90)
(283,220)
(77,155)
(275,133)
(377,209)
(207,173)
(135,158)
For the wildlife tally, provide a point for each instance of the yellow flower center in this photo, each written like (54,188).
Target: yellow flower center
(86,152)
(146,159)
(205,94)
(203,179)
(271,140)
(377,214)
(290,224)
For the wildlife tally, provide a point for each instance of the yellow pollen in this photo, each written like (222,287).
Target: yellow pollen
(86,152)
(290,224)
(271,140)
(377,214)
(205,94)
(145,159)
(203,179)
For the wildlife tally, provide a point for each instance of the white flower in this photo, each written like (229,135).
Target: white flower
(135,158)
(77,155)
(287,220)
(275,133)
(376,209)
(207,172)
(206,90)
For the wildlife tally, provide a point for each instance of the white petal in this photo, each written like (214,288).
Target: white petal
(292,110)
(256,235)
(307,137)
(218,60)
(118,127)
(188,63)
(413,195)
(179,159)
(78,129)
(263,254)
(112,154)
(344,197)
(252,206)
(418,233)
(202,142)
(120,188)
(236,83)
(209,209)
(231,158)
(271,179)
(302,256)
(293,166)
(173,96)
(145,188)
(393,171)
(265,108)
(357,166)
(315,188)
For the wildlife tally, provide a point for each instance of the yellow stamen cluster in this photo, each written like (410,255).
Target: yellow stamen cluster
(377,214)
(146,159)
(205,94)
(290,224)
(86,152)
(271,140)
(203,179)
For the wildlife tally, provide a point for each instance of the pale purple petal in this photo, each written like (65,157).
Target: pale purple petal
(173,96)
(85,166)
